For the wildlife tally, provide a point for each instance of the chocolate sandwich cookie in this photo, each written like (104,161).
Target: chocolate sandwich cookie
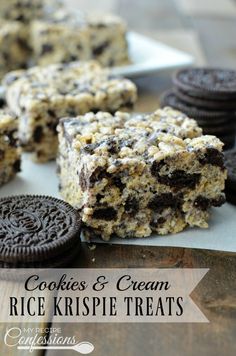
(224,129)
(37,232)
(230,162)
(207,83)
(203,103)
(229,140)
(169,98)
(219,123)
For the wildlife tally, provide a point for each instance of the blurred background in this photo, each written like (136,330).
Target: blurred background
(204,28)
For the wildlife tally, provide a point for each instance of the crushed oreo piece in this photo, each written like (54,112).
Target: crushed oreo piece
(204,203)
(213,157)
(163,201)
(99,197)
(51,113)
(46,48)
(98,175)
(132,206)
(83,179)
(118,183)
(17,166)
(107,214)
(157,222)
(180,179)
(53,127)
(90,148)
(38,134)
(156,167)
(97,51)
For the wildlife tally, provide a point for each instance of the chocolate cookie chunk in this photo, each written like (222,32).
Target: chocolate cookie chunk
(37,232)
(206,83)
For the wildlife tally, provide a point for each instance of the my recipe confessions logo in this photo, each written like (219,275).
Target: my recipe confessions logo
(31,339)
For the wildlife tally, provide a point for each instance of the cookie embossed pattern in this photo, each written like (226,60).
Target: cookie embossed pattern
(37,231)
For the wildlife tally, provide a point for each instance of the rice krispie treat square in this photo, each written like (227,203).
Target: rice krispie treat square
(108,40)
(61,38)
(41,96)
(9,147)
(134,175)
(67,36)
(14,46)
(26,10)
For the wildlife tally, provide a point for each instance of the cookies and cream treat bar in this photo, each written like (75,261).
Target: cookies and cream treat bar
(15,30)
(60,38)
(14,46)
(67,36)
(134,175)
(9,147)
(41,96)
(108,40)
(26,10)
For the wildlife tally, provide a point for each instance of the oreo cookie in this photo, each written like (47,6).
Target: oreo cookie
(219,123)
(230,163)
(204,103)
(207,83)
(169,98)
(38,232)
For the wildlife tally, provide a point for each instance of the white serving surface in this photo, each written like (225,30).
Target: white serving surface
(149,57)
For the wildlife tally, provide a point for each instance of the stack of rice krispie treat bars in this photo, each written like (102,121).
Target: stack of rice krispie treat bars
(44,32)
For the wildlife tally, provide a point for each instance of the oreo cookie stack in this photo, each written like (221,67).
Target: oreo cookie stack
(207,95)
(230,163)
